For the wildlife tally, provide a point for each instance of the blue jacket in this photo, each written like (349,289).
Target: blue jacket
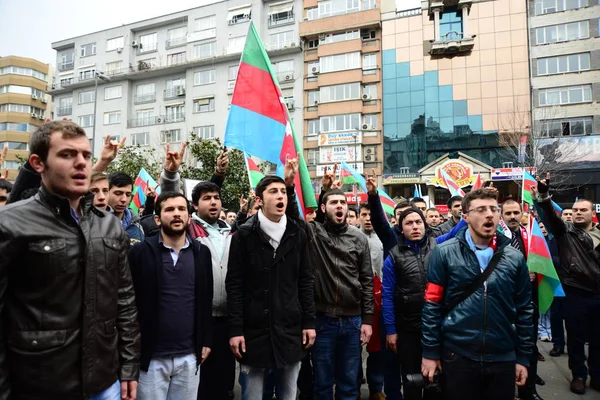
(492,325)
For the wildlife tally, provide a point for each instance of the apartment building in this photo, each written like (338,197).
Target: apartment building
(159,80)
(24,105)
(455,80)
(342,84)
(565,79)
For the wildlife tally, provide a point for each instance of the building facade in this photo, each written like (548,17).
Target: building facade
(342,85)
(455,79)
(159,80)
(24,104)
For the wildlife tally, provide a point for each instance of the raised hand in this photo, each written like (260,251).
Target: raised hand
(543,186)
(328,178)
(151,191)
(243,204)
(290,170)
(3,154)
(492,187)
(337,184)
(222,163)
(174,158)
(111,149)
(372,183)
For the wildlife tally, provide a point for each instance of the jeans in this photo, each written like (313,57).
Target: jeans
(392,375)
(170,378)
(583,324)
(544,326)
(253,379)
(112,393)
(375,372)
(557,322)
(465,379)
(336,357)
(217,375)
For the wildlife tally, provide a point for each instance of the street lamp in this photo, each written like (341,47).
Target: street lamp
(105,78)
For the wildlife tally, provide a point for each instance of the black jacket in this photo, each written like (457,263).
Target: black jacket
(579,261)
(270,297)
(492,325)
(146,270)
(446,226)
(68,321)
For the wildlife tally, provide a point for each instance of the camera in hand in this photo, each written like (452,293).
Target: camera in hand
(420,381)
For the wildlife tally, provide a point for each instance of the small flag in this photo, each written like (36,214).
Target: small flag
(386,202)
(528,182)
(504,229)
(452,186)
(140,185)
(254,173)
(417,192)
(539,261)
(478,184)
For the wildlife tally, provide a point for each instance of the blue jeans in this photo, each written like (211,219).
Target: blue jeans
(257,383)
(336,357)
(170,378)
(544,328)
(112,393)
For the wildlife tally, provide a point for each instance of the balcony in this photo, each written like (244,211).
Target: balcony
(281,19)
(177,117)
(173,93)
(352,19)
(146,48)
(176,42)
(144,98)
(66,66)
(62,111)
(281,45)
(452,43)
(161,119)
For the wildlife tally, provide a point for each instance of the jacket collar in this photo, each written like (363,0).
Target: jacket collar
(62,206)
(335,228)
(503,241)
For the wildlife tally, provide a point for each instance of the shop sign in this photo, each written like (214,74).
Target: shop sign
(338,154)
(340,138)
(397,179)
(458,170)
(510,174)
(321,168)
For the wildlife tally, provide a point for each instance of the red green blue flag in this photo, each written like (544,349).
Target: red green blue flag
(259,122)
(386,201)
(478,184)
(539,261)
(254,173)
(140,185)
(528,182)
(452,186)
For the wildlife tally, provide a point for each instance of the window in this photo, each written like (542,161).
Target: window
(370,120)
(176,58)
(85,120)
(313,127)
(112,117)
(313,98)
(205,132)
(280,14)
(339,62)
(205,77)
(175,113)
(565,95)
(562,33)
(66,60)
(14,145)
(312,156)
(346,91)
(176,36)
(340,37)
(88,49)
(312,44)
(87,74)
(175,83)
(66,81)
(144,117)
(113,92)
(312,13)
(568,127)
(283,67)
(170,136)
(11,126)
(368,34)
(281,39)
(204,105)
(206,27)
(65,107)
(113,68)
(370,90)
(239,14)
(205,50)
(140,139)
(233,71)
(148,42)
(65,102)
(115,43)
(23,71)
(145,93)
(11,165)
(236,44)
(344,122)
(18,108)
(451,24)
(551,6)
(563,64)
(369,64)
(87,96)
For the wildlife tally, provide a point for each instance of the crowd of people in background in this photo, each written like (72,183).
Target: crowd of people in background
(99,302)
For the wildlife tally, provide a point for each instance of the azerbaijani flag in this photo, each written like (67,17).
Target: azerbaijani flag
(254,173)
(528,182)
(539,260)
(139,189)
(258,121)
(452,186)
(386,201)
(478,184)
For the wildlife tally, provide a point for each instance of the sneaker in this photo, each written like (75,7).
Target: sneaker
(578,386)
(556,352)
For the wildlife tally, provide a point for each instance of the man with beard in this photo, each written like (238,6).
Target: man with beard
(172,278)
(579,272)
(269,261)
(433,217)
(343,291)
(478,330)
(68,321)
(454,208)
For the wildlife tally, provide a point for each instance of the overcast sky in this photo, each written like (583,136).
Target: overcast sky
(29,27)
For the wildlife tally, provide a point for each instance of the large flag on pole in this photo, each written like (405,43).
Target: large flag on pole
(539,260)
(259,122)
(386,202)
(452,186)
(139,189)
(478,183)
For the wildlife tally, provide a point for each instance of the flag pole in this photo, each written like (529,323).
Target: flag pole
(248,170)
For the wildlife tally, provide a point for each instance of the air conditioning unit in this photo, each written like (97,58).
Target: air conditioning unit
(180,91)
(322,36)
(289,104)
(288,77)
(315,70)
(366,97)
(366,127)
(158,120)
(33,115)
(33,96)
(43,100)
(135,44)
(368,151)
(368,158)
(119,50)
(41,116)
(316,102)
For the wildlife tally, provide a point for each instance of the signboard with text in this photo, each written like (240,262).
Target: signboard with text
(460,172)
(338,154)
(510,174)
(340,138)
(321,168)
(396,179)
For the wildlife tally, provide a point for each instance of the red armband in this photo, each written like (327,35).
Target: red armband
(434,292)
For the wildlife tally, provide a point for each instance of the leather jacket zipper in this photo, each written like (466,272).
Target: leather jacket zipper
(484,319)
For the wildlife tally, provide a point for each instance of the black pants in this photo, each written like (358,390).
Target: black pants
(217,374)
(557,322)
(465,379)
(529,388)
(410,356)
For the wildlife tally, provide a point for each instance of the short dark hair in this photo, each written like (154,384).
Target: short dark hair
(352,208)
(364,205)
(332,192)
(409,211)
(6,185)
(204,187)
(40,139)
(266,181)
(508,202)
(483,193)
(119,179)
(417,200)
(231,211)
(565,209)
(453,200)
(402,204)
(164,197)
(433,209)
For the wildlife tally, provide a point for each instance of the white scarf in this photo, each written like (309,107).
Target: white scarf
(274,230)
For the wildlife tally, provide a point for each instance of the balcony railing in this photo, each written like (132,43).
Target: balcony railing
(61,111)
(147,48)
(276,20)
(282,45)
(66,66)
(176,59)
(452,43)
(178,91)
(366,5)
(144,98)
(177,117)
(409,13)
(161,119)
(175,42)
(452,35)
(116,71)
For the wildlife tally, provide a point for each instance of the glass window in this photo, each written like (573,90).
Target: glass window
(451,24)
(344,122)
(170,136)
(312,13)
(205,50)
(565,95)
(561,33)
(339,62)
(11,165)
(176,58)
(88,49)
(85,120)
(346,91)
(113,92)
(370,90)
(281,13)
(281,39)
(370,120)
(113,68)
(140,139)
(87,96)
(112,117)
(14,145)
(87,74)
(148,42)
(313,98)
(204,105)
(233,71)
(283,67)
(339,37)
(313,127)
(145,92)
(370,63)
(175,113)
(568,127)
(239,15)
(205,132)
(206,27)
(236,44)
(177,33)
(312,156)
(205,77)
(145,117)
(115,43)
(175,83)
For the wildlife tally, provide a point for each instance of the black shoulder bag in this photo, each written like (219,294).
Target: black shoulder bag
(471,287)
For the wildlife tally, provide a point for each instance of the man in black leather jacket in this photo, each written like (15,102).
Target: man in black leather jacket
(68,322)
